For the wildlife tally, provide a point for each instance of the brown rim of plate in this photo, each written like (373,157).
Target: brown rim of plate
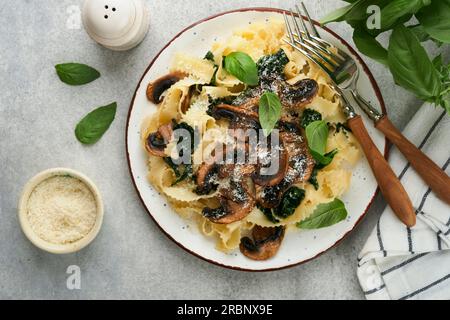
(258,9)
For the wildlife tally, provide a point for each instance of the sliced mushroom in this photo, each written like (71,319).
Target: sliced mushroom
(206,178)
(270,180)
(157,141)
(236,203)
(186,103)
(298,95)
(156,88)
(301,165)
(232,112)
(265,243)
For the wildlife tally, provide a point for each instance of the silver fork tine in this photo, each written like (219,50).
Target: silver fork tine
(313,27)
(311,46)
(297,28)
(303,48)
(288,27)
(318,41)
(308,36)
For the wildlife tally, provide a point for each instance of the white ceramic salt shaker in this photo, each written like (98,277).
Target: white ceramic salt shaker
(116,24)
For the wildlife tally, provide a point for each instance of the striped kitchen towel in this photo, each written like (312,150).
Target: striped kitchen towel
(398,262)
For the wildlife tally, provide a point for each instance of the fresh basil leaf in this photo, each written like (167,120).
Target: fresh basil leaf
(323,160)
(325,215)
(400,8)
(411,66)
(317,135)
(446,105)
(242,66)
(92,127)
(269,111)
(76,74)
(435,19)
(369,46)
(420,32)
(337,15)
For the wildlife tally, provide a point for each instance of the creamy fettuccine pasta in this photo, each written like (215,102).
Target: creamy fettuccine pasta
(230,201)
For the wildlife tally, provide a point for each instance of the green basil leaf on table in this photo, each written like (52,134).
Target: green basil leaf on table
(92,127)
(269,111)
(336,15)
(325,215)
(369,46)
(411,66)
(76,74)
(242,66)
(396,9)
(435,19)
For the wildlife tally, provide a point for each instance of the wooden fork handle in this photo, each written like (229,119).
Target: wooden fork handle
(430,172)
(389,184)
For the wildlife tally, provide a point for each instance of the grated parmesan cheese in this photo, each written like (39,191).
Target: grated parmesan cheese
(61,210)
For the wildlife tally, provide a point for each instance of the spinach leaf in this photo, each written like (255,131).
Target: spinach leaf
(399,8)
(209,56)
(92,127)
(269,214)
(242,66)
(272,66)
(309,116)
(313,179)
(411,66)
(325,215)
(435,19)
(180,175)
(269,111)
(369,46)
(290,201)
(317,135)
(76,74)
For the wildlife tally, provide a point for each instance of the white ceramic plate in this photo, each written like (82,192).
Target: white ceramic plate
(298,246)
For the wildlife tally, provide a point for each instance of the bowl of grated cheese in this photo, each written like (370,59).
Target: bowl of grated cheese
(60,210)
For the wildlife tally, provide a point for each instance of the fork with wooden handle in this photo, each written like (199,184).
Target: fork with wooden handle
(343,69)
(390,186)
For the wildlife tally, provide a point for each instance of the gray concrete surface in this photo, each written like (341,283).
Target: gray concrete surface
(130,258)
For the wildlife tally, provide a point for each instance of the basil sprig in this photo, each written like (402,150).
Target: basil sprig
(435,20)
(411,66)
(92,127)
(76,74)
(406,58)
(242,66)
(269,111)
(325,215)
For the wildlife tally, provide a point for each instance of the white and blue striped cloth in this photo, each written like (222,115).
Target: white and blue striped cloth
(398,262)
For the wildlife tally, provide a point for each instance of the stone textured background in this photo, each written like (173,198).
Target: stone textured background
(130,258)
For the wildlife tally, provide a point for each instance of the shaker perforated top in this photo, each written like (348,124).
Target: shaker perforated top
(116,24)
